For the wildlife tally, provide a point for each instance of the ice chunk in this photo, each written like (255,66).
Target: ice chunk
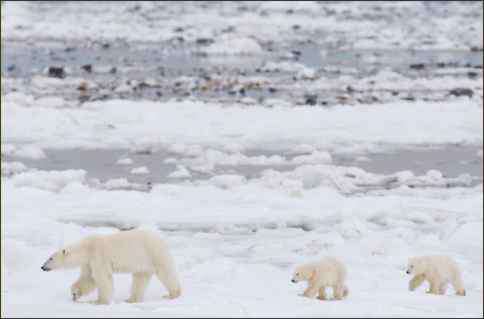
(125,161)
(10,168)
(234,46)
(227,181)
(316,157)
(49,180)
(181,172)
(140,170)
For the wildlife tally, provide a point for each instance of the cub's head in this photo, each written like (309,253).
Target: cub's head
(416,266)
(303,273)
(69,257)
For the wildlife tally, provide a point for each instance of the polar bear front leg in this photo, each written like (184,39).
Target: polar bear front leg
(416,282)
(311,291)
(138,287)
(322,294)
(84,285)
(104,282)
(434,286)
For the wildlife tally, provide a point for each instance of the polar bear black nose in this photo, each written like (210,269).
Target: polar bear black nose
(44,268)
(408,272)
(293,280)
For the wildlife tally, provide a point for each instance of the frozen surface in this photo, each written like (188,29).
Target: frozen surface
(236,244)
(253,137)
(362,25)
(129,124)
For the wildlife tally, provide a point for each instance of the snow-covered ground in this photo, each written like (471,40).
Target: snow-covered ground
(349,25)
(236,248)
(237,237)
(235,240)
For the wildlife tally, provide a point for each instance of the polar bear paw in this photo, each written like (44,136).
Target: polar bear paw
(76,293)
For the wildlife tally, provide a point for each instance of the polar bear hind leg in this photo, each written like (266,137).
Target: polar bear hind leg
(340,292)
(104,283)
(170,282)
(458,286)
(443,288)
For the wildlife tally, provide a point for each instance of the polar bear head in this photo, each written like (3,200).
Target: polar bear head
(416,266)
(68,257)
(302,273)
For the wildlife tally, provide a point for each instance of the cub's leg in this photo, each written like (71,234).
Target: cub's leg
(443,288)
(340,292)
(434,287)
(346,291)
(322,294)
(458,286)
(311,291)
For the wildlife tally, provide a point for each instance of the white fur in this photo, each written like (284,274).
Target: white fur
(139,252)
(439,271)
(328,272)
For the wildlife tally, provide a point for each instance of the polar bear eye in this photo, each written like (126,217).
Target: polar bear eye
(64,252)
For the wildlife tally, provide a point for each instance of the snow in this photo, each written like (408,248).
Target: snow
(127,124)
(313,158)
(125,161)
(235,46)
(116,183)
(48,180)
(254,188)
(10,168)
(440,26)
(227,181)
(236,240)
(181,172)
(241,246)
(24,151)
(390,80)
(50,101)
(140,170)
(301,71)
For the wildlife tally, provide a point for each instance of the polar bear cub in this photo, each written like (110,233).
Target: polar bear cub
(438,271)
(328,272)
(139,252)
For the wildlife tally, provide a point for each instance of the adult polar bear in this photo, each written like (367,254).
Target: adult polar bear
(139,252)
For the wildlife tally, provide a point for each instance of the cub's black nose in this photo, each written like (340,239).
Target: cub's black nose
(292,280)
(408,272)
(44,268)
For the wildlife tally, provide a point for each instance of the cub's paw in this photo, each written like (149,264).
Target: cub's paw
(132,300)
(76,293)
